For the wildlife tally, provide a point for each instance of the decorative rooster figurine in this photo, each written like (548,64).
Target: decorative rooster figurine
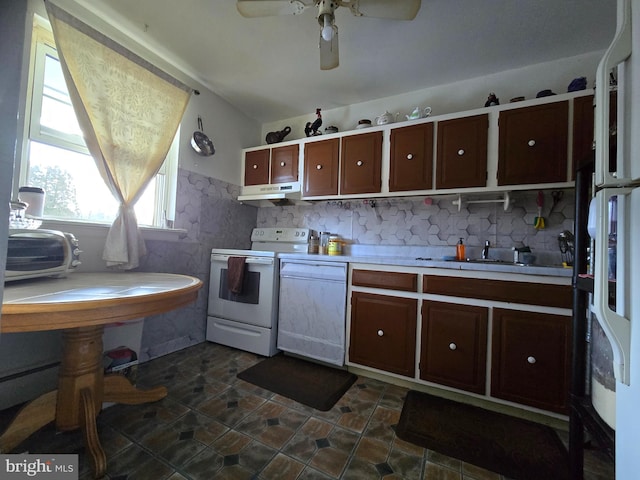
(311,129)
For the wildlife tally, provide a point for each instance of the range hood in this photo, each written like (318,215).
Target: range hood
(271,195)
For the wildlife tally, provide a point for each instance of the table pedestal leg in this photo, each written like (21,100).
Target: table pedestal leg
(90,433)
(81,368)
(31,418)
(82,387)
(118,389)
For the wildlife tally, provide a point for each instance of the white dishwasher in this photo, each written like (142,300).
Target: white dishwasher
(311,320)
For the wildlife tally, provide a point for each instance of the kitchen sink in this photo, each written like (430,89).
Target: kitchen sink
(494,261)
(487,260)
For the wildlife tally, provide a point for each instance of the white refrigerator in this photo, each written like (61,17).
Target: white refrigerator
(617,253)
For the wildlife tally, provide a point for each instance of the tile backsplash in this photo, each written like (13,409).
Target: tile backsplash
(435,221)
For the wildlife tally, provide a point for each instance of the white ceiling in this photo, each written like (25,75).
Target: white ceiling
(269,67)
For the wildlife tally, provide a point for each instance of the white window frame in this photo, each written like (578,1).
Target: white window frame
(42,44)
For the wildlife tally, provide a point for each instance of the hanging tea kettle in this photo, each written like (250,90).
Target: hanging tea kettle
(201,143)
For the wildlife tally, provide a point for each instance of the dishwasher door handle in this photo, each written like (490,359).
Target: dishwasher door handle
(336,279)
(314,272)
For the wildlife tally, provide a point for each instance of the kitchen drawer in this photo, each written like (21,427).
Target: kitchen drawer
(500,290)
(406,282)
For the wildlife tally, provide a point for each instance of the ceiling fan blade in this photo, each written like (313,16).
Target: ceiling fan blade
(268,8)
(329,51)
(392,9)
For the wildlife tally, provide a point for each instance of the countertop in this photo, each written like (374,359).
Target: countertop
(434,262)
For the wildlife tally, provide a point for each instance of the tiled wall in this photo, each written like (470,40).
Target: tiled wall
(434,221)
(206,208)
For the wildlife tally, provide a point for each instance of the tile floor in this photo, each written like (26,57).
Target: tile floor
(214,426)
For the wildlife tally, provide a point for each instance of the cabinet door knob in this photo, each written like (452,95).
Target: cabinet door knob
(380,333)
(452,346)
(255,167)
(410,156)
(359,163)
(460,152)
(282,164)
(531,143)
(531,360)
(318,167)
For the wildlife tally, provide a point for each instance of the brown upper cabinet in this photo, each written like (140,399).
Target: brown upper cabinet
(321,160)
(284,164)
(411,158)
(361,163)
(583,126)
(256,167)
(582,131)
(462,152)
(533,144)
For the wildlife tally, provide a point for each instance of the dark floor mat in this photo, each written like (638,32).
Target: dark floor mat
(518,449)
(311,384)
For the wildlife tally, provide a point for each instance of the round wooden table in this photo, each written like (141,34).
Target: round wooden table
(81,304)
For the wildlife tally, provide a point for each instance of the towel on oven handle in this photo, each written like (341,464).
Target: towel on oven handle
(235,274)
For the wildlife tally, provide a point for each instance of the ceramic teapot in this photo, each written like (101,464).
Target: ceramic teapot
(419,113)
(386,118)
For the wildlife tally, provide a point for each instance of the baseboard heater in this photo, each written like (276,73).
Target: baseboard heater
(31,371)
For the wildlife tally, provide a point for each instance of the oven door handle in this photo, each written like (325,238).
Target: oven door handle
(248,260)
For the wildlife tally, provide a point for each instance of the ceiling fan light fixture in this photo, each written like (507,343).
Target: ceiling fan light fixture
(327,28)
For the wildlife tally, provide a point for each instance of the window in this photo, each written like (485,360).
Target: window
(58,160)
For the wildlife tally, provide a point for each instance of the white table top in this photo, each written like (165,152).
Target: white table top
(85,299)
(83,287)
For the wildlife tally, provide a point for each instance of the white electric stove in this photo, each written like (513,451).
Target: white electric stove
(248,320)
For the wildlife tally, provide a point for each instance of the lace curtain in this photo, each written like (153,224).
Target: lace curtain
(129,112)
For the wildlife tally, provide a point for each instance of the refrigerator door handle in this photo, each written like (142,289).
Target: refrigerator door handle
(616,326)
(618,52)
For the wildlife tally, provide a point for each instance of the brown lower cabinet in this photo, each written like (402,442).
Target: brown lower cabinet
(383,332)
(531,358)
(454,345)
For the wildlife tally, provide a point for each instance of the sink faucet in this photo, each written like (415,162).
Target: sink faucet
(485,250)
(517,251)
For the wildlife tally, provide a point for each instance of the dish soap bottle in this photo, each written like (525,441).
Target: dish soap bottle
(460,251)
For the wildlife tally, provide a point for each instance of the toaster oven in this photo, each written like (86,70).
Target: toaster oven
(40,253)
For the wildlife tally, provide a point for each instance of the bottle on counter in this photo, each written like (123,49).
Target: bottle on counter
(324,243)
(460,251)
(335,245)
(313,244)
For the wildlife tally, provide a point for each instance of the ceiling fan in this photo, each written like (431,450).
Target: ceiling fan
(391,9)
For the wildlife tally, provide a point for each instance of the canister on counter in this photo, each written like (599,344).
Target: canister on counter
(324,243)
(34,198)
(335,245)
(313,244)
